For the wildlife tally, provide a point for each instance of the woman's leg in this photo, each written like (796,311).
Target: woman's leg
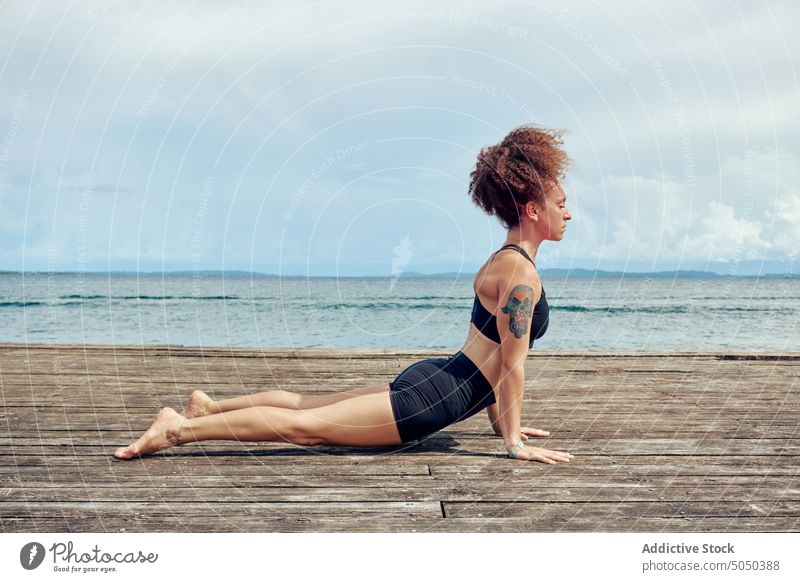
(200,404)
(365,420)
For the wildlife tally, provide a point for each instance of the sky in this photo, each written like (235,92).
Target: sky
(336,138)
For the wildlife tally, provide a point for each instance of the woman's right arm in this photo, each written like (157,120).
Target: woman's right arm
(513,325)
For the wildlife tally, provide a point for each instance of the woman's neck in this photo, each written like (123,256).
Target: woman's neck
(516,237)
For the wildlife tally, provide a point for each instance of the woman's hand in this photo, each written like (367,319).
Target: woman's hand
(526,432)
(529,453)
(532,432)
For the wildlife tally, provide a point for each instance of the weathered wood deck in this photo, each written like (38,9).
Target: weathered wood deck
(662,442)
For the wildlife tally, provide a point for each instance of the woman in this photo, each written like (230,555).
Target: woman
(517,181)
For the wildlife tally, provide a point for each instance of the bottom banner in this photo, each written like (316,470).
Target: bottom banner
(401,557)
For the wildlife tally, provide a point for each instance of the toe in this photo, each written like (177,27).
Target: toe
(127,452)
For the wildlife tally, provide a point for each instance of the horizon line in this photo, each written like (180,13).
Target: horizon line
(414,274)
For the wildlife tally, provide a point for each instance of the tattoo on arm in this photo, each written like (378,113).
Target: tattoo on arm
(519,309)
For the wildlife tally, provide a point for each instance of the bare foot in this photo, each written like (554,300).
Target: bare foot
(162,434)
(199,404)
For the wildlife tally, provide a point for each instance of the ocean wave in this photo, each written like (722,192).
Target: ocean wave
(393,305)
(753,297)
(663,310)
(152,297)
(446,304)
(583,309)
(83,296)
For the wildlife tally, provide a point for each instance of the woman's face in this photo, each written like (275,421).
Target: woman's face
(554,216)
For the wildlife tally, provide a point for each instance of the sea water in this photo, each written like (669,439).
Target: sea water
(618,313)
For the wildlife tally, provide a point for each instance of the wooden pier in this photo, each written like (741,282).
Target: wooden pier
(663,442)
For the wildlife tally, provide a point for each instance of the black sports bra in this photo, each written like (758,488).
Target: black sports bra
(487,323)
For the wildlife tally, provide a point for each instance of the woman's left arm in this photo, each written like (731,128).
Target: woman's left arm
(526,431)
(494,418)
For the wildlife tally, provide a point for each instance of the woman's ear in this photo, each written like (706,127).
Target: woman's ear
(532,210)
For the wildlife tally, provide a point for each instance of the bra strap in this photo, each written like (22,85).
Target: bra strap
(518,249)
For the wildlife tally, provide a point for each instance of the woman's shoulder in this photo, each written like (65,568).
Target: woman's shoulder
(506,271)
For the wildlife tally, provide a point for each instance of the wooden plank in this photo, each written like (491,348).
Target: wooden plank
(133,394)
(479,427)
(465,492)
(520,510)
(627,510)
(418,464)
(297,494)
(557,423)
(680,467)
(287,524)
(675,370)
(663,442)
(157,481)
(220,464)
(175,509)
(507,484)
(440,442)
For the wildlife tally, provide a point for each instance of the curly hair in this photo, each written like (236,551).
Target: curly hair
(516,171)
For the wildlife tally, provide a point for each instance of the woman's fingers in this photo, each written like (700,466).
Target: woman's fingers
(529,453)
(566,457)
(549,457)
(535,432)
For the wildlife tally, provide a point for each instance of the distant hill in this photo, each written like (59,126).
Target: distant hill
(598,274)
(548,273)
(593,274)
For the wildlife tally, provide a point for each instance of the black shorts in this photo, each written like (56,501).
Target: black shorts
(434,393)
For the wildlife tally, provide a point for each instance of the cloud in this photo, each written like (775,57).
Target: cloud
(640,218)
(785,224)
(260,94)
(632,217)
(726,237)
